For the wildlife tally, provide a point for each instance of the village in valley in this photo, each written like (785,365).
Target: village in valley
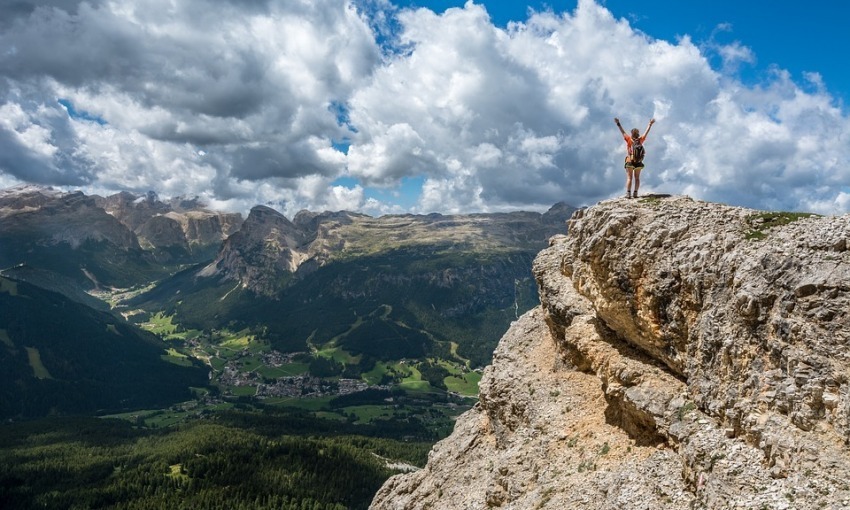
(246,371)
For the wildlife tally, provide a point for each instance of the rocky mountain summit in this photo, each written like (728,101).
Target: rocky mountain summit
(51,217)
(174,228)
(684,355)
(70,241)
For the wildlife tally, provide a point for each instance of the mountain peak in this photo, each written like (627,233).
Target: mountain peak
(26,197)
(264,209)
(265,249)
(178,229)
(266,219)
(22,189)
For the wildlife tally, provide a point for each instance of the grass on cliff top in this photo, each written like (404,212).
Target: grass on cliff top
(459,235)
(759,223)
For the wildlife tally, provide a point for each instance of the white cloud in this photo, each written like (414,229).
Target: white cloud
(21,127)
(241,102)
(524,115)
(249,84)
(735,54)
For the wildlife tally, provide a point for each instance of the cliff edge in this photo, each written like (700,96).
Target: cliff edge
(685,355)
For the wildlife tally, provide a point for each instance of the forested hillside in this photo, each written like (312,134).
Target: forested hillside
(233,462)
(468,298)
(62,357)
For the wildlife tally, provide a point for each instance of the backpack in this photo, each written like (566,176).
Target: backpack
(638,152)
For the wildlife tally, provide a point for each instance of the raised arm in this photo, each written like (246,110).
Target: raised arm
(648,127)
(617,121)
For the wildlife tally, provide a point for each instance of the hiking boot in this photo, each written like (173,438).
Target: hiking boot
(634,195)
(628,194)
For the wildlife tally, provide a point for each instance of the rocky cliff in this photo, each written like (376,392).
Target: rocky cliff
(262,254)
(684,355)
(118,241)
(52,217)
(177,230)
(180,228)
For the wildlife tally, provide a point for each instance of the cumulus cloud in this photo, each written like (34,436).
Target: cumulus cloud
(251,84)
(521,117)
(245,103)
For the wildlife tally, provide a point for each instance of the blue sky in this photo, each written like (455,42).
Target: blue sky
(793,35)
(422,106)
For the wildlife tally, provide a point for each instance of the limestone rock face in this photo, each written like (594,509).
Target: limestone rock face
(179,228)
(163,232)
(263,251)
(47,217)
(684,356)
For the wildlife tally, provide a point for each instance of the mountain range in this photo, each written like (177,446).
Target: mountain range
(341,286)
(663,353)
(458,279)
(118,241)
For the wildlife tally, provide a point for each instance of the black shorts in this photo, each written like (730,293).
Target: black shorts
(629,164)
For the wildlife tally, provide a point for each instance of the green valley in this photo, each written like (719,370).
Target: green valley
(326,381)
(301,366)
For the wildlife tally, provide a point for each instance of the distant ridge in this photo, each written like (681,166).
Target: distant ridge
(442,278)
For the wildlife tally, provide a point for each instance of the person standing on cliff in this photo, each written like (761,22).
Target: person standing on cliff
(634,156)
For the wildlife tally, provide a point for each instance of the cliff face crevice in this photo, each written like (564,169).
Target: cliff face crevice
(752,326)
(684,356)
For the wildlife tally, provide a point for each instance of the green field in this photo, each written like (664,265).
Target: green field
(178,358)
(415,385)
(4,338)
(238,341)
(394,369)
(160,324)
(164,326)
(285,370)
(467,384)
(250,363)
(39,370)
(337,354)
(246,356)
(245,391)
(217,363)
(367,413)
